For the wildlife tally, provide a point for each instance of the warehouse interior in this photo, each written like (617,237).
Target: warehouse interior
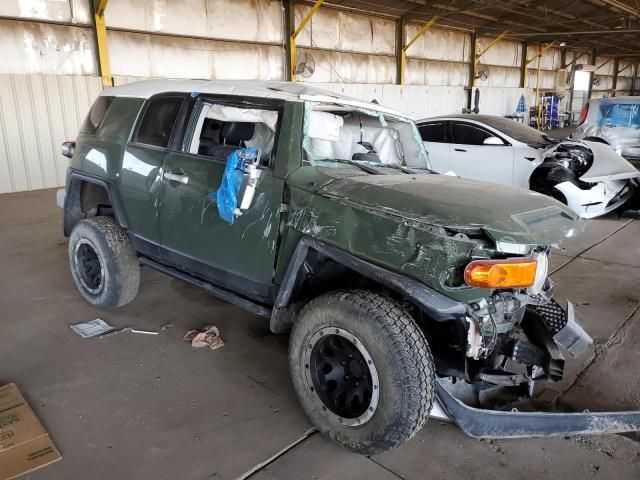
(145,406)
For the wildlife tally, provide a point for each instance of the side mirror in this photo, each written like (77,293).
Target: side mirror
(492,141)
(68,148)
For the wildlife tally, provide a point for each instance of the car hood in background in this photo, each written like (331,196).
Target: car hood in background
(506,214)
(607,165)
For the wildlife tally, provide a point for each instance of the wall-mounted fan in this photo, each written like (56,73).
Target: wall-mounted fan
(482,75)
(305,65)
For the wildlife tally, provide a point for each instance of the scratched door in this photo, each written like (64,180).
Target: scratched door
(195,237)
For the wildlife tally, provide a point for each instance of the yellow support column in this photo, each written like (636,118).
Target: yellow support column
(403,53)
(292,38)
(101,39)
(537,55)
(485,50)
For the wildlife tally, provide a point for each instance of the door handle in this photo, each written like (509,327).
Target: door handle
(459,149)
(174,177)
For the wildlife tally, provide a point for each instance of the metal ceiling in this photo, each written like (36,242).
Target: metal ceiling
(610,26)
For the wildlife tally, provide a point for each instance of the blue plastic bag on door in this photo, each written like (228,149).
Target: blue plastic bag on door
(226,196)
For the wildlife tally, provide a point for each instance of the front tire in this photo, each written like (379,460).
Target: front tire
(362,370)
(103,262)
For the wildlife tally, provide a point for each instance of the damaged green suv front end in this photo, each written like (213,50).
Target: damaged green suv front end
(430,228)
(420,235)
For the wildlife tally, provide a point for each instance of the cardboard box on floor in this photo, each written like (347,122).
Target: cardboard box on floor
(24,443)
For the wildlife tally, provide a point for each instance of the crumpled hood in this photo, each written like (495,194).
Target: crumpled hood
(506,214)
(607,165)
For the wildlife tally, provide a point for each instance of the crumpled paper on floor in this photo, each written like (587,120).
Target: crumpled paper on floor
(207,337)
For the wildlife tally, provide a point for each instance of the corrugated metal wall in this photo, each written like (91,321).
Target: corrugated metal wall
(347,47)
(501,63)
(416,100)
(215,39)
(49,69)
(38,113)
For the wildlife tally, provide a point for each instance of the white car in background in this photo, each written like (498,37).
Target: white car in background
(589,177)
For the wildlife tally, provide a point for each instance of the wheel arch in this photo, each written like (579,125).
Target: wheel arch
(596,139)
(85,192)
(310,253)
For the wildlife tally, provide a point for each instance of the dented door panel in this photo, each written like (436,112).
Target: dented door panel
(191,226)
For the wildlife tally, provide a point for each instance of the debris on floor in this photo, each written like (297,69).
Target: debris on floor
(207,337)
(128,329)
(24,443)
(111,333)
(145,332)
(93,328)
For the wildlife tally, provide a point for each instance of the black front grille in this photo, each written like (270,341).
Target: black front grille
(553,316)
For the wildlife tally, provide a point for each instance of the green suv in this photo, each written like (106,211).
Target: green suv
(407,293)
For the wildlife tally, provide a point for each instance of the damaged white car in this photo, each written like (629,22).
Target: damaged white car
(588,177)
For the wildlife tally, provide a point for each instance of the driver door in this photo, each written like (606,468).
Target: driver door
(238,256)
(471,158)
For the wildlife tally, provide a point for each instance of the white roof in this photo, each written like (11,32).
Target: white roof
(243,88)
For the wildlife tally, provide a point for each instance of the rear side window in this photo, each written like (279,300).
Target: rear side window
(432,132)
(96,115)
(466,134)
(626,115)
(158,121)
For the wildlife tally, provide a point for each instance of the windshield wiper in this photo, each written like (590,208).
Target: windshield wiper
(400,167)
(361,166)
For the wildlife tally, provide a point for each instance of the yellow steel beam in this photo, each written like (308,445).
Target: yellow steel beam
(540,52)
(598,67)
(292,38)
(491,45)
(100,6)
(403,53)
(101,38)
(485,50)
(623,69)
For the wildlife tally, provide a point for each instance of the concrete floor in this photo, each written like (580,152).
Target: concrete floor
(152,407)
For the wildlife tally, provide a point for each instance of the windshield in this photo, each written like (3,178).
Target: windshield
(335,134)
(518,131)
(614,114)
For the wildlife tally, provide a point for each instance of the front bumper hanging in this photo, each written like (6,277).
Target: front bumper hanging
(494,424)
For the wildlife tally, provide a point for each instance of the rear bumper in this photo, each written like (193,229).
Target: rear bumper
(479,423)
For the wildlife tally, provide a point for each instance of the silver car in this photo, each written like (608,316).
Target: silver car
(614,121)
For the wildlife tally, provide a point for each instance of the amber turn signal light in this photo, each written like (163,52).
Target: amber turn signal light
(509,273)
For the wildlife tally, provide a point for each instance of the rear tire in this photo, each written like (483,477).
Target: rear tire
(103,263)
(344,336)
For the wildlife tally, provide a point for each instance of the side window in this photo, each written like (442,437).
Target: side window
(432,132)
(96,115)
(466,134)
(222,129)
(158,121)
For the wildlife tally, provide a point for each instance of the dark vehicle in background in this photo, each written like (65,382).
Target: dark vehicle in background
(321,213)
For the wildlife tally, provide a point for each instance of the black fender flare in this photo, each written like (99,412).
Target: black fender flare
(72,199)
(435,304)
